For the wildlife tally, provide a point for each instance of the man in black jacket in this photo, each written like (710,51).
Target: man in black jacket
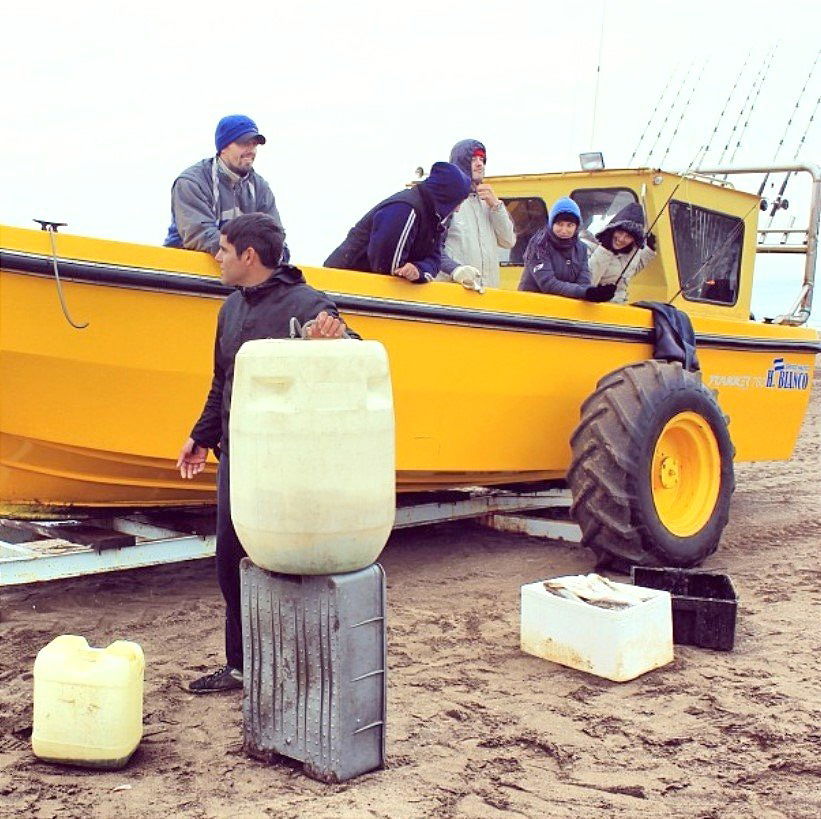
(268,296)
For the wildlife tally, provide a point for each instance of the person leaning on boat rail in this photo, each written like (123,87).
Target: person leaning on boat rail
(269,294)
(556,259)
(206,195)
(622,251)
(403,235)
(478,227)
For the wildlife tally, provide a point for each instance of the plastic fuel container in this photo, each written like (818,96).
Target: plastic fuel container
(88,702)
(313,473)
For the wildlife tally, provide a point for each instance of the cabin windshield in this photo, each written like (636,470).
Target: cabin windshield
(708,252)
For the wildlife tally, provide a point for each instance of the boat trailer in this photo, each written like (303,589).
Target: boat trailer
(37,551)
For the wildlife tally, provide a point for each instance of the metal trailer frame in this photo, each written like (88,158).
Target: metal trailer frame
(39,561)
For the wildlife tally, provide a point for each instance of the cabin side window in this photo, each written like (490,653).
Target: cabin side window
(598,207)
(708,252)
(529,214)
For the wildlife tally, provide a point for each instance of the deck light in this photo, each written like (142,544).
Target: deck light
(593,161)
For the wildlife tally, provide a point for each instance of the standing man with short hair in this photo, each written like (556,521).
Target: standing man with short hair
(206,195)
(268,295)
(481,224)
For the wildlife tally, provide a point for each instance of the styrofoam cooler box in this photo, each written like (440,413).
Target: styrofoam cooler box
(617,644)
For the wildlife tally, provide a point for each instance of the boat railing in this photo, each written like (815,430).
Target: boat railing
(802,241)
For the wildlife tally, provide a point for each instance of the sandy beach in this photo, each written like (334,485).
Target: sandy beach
(475,727)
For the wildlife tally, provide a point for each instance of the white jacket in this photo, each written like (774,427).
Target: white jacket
(474,234)
(606,267)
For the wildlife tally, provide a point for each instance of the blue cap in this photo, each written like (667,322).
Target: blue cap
(565,207)
(236,128)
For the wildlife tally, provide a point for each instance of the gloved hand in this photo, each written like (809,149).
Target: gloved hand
(600,292)
(650,240)
(469,277)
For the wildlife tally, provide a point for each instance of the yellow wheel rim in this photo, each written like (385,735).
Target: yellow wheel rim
(686,474)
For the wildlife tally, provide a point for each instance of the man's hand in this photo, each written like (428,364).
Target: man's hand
(325,326)
(600,292)
(192,459)
(469,277)
(486,194)
(407,271)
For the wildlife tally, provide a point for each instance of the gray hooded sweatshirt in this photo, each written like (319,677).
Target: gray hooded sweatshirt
(475,231)
(207,195)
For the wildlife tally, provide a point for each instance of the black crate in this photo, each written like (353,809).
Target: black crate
(704,605)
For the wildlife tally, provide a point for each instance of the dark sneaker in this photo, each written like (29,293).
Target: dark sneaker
(224,679)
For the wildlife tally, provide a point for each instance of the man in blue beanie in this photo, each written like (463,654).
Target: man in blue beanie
(207,195)
(403,235)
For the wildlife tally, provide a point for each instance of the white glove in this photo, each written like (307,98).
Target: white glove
(469,277)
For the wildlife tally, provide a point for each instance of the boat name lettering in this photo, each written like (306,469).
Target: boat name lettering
(780,376)
(785,376)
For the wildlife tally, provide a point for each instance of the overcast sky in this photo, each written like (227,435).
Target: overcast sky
(105,104)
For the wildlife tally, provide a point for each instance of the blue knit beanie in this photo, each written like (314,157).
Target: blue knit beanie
(565,207)
(236,128)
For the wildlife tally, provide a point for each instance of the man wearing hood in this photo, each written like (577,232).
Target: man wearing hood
(402,235)
(622,251)
(206,195)
(480,226)
(268,295)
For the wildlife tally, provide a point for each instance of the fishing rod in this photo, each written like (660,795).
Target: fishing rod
(759,75)
(726,105)
(695,160)
(684,110)
(779,201)
(669,111)
(652,116)
(692,278)
(789,120)
(750,110)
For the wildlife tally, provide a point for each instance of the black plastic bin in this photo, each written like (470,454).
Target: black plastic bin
(704,605)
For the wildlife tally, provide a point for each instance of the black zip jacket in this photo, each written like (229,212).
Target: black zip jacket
(250,313)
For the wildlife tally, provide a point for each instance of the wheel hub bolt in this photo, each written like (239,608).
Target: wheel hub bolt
(669,472)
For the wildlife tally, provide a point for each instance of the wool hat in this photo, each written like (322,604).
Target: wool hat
(236,128)
(567,208)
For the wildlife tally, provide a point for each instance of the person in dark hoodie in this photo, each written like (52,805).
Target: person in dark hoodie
(622,251)
(206,195)
(268,295)
(403,235)
(556,259)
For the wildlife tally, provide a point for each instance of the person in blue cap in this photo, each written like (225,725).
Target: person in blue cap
(556,259)
(207,195)
(403,235)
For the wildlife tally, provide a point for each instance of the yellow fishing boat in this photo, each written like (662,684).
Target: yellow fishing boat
(488,387)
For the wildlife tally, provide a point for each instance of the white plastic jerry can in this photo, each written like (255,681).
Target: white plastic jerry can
(313,466)
(88,702)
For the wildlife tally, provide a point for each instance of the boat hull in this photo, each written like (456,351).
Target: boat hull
(487,387)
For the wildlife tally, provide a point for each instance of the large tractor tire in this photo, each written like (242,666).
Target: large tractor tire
(652,471)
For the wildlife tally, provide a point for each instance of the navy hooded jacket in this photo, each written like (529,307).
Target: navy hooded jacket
(405,227)
(553,265)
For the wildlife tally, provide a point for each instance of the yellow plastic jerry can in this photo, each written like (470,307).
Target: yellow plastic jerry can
(88,702)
